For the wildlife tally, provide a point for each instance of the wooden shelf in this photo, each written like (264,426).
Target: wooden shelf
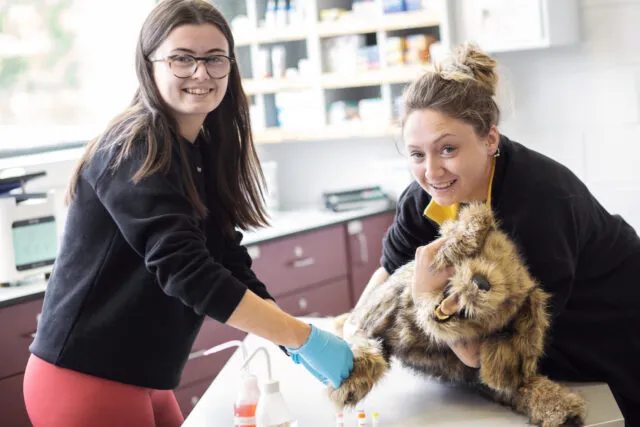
(349,130)
(387,22)
(270,85)
(373,77)
(271,35)
(351,25)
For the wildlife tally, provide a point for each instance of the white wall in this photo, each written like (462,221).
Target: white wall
(579,105)
(306,170)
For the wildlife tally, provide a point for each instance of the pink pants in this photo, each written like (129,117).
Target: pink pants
(58,397)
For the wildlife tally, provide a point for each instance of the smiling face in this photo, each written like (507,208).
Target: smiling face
(191,99)
(447,157)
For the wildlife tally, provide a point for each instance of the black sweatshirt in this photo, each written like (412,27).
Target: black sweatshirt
(137,272)
(587,259)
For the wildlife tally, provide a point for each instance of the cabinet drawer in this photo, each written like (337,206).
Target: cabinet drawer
(329,299)
(12,410)
(189,396)
(292,263)
(211,334)
(17,326)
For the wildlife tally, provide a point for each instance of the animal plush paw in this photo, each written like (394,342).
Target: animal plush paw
(549,404)
(369,366)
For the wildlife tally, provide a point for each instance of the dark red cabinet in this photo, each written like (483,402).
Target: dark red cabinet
(17,328)
(290,264)
(364,243)
(12,410)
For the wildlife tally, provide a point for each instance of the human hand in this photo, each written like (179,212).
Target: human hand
(329,356)
(468,352)
(425,278)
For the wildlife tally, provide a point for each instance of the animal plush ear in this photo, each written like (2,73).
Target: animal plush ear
(466,235)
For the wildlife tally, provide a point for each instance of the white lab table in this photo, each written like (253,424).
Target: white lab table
(402,398)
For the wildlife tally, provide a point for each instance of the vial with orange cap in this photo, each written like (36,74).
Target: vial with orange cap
(362,419)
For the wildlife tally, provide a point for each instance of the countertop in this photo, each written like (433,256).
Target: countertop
(402,398)
(283,224)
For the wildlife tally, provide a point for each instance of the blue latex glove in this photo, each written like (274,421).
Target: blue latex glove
(329,355)
(300,361)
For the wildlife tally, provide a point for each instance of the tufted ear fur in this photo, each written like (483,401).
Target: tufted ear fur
(466,235)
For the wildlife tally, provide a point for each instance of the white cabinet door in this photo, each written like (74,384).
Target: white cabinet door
(498,25)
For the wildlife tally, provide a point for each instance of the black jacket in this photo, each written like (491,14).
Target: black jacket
(137,272)
(586,258)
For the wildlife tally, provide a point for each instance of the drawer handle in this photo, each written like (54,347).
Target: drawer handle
(364,248)
(32,335)
(254,252)
(304,262)
(303,303)
(194,400)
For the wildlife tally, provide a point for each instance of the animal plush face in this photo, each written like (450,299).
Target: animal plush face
(487,286)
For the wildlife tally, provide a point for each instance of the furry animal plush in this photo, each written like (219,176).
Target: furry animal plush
(490,296)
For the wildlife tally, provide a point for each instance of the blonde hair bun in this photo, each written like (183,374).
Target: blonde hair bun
(469,62)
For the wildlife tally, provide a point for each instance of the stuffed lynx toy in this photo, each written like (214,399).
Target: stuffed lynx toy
(490,296)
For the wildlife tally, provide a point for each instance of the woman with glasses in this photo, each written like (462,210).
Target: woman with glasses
(150,245)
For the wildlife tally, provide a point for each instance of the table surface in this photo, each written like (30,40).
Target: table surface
(402,398)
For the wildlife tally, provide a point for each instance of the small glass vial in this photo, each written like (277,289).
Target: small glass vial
(375,422)
(362,419)
(339,420)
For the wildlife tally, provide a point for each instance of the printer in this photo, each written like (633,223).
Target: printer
(28,231)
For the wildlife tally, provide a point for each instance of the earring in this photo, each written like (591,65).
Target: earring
(497,153)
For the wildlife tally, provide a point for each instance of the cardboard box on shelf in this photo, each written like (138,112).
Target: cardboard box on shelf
(417,48)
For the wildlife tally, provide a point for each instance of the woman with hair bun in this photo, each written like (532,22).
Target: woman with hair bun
(585,257)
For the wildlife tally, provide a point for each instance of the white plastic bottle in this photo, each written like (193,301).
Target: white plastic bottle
(272,410)
(244,408)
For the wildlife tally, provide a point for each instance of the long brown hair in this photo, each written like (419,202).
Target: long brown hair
(239,179)
(462,87)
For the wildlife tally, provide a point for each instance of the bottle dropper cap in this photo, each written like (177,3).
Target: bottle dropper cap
(271,386)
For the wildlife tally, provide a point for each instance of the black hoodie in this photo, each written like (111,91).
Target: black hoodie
(137,272)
